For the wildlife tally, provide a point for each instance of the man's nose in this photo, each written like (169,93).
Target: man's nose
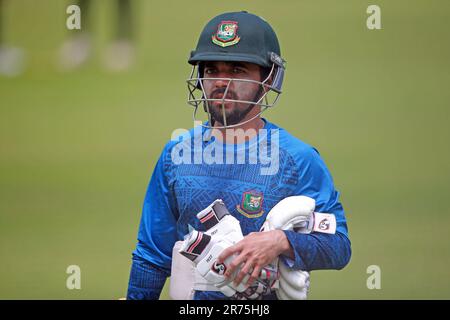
(221,83)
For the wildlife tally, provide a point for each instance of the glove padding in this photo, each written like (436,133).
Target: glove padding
(204,251)
(292,213)
(293,284)
(223,230)
(219,223)
(203,248)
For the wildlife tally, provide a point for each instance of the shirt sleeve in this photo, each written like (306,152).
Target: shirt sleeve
(318,251)
(146,280)
(157,231)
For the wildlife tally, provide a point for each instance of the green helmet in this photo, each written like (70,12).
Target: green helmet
(240,37)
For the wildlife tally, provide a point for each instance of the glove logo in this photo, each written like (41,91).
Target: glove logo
(219,268)
(226,34)
(324,224)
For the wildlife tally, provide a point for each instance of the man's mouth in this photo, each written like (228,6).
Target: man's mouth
(218,99)
(220,96)
(219,103)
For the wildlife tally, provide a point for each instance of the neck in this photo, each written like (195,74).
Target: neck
(239,133)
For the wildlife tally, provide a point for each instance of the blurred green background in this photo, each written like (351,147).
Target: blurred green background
(77,148)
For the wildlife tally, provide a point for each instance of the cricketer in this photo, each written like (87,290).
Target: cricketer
(237,208)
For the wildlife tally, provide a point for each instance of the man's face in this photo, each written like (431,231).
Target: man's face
(235,112)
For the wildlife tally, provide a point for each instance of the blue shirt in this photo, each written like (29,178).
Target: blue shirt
(191,173)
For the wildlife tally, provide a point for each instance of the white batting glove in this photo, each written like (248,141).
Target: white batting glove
(219,223)
(223,228)
(204,251)
(291,213)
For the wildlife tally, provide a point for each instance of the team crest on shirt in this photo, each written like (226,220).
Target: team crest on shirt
(226,34)
(251,204)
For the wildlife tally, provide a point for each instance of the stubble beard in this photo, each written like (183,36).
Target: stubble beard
(235,115)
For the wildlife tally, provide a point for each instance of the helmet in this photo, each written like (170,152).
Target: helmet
(240,37)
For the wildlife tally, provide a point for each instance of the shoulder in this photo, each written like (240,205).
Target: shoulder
(183,147)
(295,147)
(174,152)
(305,157)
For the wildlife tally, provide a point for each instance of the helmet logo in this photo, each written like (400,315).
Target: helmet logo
(226,34)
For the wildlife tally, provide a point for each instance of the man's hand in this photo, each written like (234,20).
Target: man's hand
(254,252)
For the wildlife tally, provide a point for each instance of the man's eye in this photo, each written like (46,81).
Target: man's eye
(238,70)
(209,71)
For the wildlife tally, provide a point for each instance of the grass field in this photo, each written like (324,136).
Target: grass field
(77,149)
